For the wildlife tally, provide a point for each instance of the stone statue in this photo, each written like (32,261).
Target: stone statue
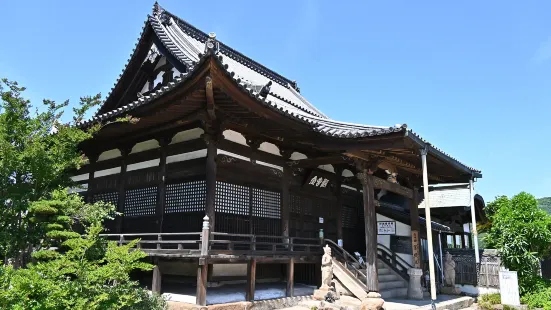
(326,289)
(326,268)
(449,270)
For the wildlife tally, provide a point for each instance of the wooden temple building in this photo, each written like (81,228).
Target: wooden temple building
(227,173)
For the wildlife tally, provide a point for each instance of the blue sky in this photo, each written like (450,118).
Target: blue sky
(472,77)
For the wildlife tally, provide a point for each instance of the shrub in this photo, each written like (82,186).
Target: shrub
(521,232)
(538,299)
(487,301)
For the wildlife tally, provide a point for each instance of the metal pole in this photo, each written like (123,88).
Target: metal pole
(432,273)
(441,257)
(473,217)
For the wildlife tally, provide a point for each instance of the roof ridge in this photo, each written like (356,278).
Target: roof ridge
(201,36)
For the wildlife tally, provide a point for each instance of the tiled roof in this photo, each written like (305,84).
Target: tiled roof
(188,45)
(456,196)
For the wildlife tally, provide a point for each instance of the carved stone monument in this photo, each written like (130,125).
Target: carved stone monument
(449,276)
(326,275)
(415,290)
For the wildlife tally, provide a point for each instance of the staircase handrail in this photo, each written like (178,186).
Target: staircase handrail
(396,263)
(349,260)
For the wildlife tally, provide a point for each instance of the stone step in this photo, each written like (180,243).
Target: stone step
(394,293)
(384,271)
(391,285)
(388,277)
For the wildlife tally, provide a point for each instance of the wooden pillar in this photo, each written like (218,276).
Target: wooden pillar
(415,228)
(251,279)
(92,158)
(210,137)
(125,151)
(290,291)
(156,281)
(285,201)
(338,202)
(161,185)
(370,215)
(254,144)
(201,294)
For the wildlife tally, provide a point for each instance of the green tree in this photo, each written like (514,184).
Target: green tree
(87,272)
(522,233)
(33,160)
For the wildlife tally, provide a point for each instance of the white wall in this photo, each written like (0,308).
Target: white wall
(476,290)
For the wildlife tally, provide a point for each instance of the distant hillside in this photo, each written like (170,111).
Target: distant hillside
(545,204)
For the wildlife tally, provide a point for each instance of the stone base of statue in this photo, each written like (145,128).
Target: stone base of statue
(320,293)
(450,290)
(415,290)
(373,301)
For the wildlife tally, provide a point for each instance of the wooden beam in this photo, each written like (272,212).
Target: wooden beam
(161,186)
(393,141)
(201,294)
(290,289)
(324,160)
(210,98)
(392,187)
(92,158)
(121,184)
(285,200)
(370,215)
(211,138)
(251,279)
(338,203)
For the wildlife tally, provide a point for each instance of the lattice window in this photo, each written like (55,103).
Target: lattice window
(186,197)
(231,198)
(140,202)
(349,217)
(111,197)
(296,204)
(266,203)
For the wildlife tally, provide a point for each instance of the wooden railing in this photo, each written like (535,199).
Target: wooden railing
(395,262)
(348,260)
(207,243)
(162,243)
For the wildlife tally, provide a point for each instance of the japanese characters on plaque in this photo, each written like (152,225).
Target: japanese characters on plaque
(386,228)
(508,285)
(318,181)
(415,248)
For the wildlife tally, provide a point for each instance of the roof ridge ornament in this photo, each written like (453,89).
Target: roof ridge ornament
(265,90)
(294,85)
(211,46)
(157,9)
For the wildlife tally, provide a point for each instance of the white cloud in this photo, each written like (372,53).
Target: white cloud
(543,53)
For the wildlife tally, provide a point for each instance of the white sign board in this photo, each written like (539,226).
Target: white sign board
(508,286)
(386,228)
(321,220)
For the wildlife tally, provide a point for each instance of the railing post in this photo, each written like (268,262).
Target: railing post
(121,239)
(253,242)
(205,237)
(159,239)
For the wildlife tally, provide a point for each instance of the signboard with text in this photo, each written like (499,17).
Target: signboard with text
(386,228)
(508,286)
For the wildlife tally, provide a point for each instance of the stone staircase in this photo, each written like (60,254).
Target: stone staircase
(351,278)
(391,285)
